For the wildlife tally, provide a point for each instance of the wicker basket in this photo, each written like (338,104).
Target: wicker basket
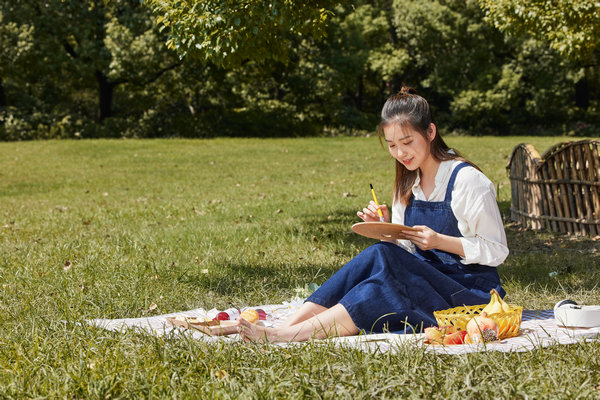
(559,190)
(508,323)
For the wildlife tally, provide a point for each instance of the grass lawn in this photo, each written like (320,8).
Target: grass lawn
(115,229)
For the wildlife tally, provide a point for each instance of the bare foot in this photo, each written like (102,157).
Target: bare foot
(255,333)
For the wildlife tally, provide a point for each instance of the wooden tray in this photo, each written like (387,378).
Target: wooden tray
(381,230)
(213,328)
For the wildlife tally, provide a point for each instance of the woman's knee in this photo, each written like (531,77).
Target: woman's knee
(388,249)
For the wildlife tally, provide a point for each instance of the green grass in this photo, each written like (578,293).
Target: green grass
(214,223)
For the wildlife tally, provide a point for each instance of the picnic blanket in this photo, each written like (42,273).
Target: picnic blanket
(538,329)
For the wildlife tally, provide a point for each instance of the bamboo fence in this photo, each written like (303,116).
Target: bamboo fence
(560,190)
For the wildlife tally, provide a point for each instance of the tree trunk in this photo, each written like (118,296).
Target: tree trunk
(582,94)
(359,93)
(2,95)
(105,92)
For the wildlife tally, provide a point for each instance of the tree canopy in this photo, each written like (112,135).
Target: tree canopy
(571,27)
(90,68)
(229,32)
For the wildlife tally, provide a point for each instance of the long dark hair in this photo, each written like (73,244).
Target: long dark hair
(408,109)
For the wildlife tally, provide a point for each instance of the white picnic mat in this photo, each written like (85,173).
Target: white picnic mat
(158,324)
(539,329)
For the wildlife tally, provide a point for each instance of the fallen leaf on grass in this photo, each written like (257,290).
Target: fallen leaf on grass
(198,212)
(221,374)
(152,307)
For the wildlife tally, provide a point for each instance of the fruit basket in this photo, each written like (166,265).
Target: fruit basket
(508,322)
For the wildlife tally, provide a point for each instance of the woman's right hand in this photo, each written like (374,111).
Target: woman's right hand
(369,213)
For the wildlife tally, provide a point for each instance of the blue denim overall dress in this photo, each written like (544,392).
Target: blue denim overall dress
(386,288)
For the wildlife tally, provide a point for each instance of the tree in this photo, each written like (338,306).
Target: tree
(364,63)
(67,64)
(571,27)
(16,43)
(230,32)
(477,79)
(87,44)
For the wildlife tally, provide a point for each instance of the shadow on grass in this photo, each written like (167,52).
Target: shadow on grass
(545,261)
(334,230)
(551,262)
(504,207)
(236,278)
(275,276)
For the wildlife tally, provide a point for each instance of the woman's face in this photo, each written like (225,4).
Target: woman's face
(408,146)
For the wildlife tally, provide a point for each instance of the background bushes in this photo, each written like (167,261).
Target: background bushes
(101,69)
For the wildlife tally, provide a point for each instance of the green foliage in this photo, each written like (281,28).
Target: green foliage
(478,79)
(571,27)
(102,69)
(16,43)
(97,45)
(228,33)
(451,61)
(360,57)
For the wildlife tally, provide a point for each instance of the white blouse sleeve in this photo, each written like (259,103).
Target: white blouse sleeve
(479,220)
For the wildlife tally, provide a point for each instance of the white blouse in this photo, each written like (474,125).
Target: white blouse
(474,206)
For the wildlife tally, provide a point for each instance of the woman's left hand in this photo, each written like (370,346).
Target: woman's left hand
(424,237)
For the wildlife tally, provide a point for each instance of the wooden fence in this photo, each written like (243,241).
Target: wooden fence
(560,190)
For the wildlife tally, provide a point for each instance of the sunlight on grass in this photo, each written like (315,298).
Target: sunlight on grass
(106,228)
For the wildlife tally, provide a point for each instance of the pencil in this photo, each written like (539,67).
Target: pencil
(377,204)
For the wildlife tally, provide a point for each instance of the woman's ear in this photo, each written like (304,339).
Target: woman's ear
(431,132)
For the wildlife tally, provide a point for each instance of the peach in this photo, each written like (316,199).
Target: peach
(250,315)
(436,334)
(455,338)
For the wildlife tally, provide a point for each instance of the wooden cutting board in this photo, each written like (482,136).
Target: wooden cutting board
(213,328)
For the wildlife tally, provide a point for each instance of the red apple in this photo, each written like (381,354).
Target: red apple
(262,314)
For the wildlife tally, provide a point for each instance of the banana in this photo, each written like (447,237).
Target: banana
(496,304)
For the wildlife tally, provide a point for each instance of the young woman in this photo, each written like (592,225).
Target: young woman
(448,261)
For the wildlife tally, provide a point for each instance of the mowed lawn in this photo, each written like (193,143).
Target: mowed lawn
(130,228)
